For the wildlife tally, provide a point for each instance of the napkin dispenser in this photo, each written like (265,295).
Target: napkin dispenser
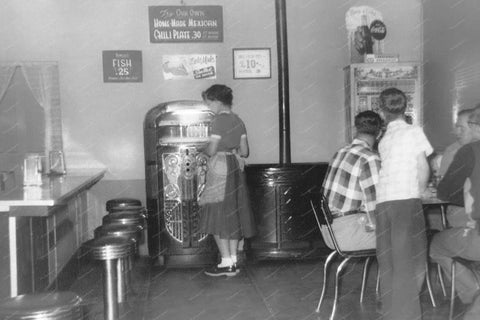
(32,170)
(56,160)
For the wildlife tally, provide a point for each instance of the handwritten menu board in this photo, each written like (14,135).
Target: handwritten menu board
(185,24)
(122,66)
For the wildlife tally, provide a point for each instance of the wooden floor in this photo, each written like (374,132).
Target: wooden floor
(274,290)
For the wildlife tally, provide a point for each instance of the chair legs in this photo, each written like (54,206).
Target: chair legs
(341,266)
(429,284)
(452,292)
(328,261)
(337,275)
(440,278)
(364,277)
(465,263)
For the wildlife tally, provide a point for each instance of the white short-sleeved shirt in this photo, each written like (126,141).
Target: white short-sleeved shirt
(399,148)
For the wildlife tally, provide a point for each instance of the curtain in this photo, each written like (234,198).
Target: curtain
(6,75)
(42,79)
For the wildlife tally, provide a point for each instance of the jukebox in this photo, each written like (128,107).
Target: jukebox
(174,135)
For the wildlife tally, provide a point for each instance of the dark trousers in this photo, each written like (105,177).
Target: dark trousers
(401,255)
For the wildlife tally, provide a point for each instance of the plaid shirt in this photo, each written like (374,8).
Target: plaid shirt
(351,178)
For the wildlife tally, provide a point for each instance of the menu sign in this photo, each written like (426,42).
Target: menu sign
(185,24)
(189,66)
(122,66)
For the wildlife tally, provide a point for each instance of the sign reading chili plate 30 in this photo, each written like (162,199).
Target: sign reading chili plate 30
(185,24)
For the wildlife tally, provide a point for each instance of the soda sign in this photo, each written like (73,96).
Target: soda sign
(378,30)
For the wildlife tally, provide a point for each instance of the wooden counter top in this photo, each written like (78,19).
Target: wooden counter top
(55,190)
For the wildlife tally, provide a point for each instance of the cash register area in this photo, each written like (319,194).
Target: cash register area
(276,290)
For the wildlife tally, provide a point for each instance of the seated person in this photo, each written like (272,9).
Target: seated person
(462,241)
(349,187)
(456,216)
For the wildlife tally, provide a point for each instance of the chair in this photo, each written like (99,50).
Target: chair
(470,264)
(430,234)
(346,256)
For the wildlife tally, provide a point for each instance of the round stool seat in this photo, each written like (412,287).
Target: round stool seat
(44,306)
(122,202)
(111,247)
(124,217)
(119,230)
(136,209)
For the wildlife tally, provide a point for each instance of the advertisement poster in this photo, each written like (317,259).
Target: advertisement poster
(251,63)
(185,24)
(189,66)
(122,66)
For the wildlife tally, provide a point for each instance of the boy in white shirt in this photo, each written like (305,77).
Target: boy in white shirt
(401,238)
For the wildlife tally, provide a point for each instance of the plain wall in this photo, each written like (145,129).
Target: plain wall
(452,64)
(103,122)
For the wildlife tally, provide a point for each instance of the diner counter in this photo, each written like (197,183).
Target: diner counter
(55,190)
(45,226)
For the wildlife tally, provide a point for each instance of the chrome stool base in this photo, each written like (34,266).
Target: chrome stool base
(112,250)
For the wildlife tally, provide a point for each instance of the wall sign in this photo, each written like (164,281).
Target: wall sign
(185,24)
(250,63)
(122,66)
(189,66)
(378,30)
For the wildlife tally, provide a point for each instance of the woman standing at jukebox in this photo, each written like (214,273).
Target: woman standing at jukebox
(225,209)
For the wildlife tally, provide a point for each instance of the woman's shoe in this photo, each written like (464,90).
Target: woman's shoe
(216,271)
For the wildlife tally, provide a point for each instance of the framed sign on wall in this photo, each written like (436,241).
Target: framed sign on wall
(122,66)
(251,63)
(185,24)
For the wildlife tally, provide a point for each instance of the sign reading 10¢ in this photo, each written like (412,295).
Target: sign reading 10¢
(122,66)
(251,63)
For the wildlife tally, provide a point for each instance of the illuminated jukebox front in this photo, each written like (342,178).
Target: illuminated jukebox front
(175,133)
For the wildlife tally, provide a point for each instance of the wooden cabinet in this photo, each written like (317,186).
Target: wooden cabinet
(280,202)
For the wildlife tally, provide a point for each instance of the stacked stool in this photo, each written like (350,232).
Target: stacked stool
(127,211)
(115,244)
(46,306)
(125,218)
(111,250)
(124,265)
(122,203)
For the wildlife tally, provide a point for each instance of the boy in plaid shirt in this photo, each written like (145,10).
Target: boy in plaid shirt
(349,187)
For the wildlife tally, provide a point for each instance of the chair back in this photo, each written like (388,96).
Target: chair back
(327,217)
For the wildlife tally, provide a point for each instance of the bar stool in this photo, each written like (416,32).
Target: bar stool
(64,305)
(131,231)
(121,203)
(110,249)
(125,218)
(134,206)
(124,265)
(137,209)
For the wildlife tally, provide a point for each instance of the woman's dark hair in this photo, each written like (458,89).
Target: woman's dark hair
(219,92)
(368,122)
(393,100)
